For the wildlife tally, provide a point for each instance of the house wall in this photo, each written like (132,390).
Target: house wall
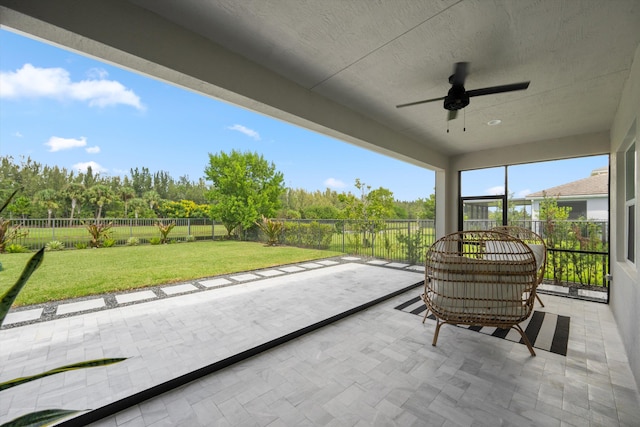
(625,287)
(597,208)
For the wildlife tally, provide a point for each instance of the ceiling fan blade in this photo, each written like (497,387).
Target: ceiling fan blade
(460,71)
(420,102)
(498,89)
(452,115)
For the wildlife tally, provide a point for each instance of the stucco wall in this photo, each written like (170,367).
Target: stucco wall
(625,288)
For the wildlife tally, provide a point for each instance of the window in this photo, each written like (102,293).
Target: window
(630,202)
(578,208)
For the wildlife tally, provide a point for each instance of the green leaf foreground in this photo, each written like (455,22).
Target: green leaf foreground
(81,365)
(40,418)
(9,297)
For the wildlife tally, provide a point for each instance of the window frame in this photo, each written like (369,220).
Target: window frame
(630,205)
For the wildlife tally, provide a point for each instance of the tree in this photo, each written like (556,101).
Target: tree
(152,198)
(100,195)
(245,187)
(48,199)
(21,207)
(75,192)
(126,194)
(369,210)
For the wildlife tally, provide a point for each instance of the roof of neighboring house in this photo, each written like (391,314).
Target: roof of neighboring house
(597,183)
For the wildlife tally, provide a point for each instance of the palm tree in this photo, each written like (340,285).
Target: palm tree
(48,199)
(75,192)
(100,195)
(152,197)
(126,194)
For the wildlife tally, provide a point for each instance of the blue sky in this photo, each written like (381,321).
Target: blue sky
(65,109)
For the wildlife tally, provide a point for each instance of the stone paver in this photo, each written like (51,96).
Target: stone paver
(22,316)
(311,265)
(135,297)
(179,289)
(270,273)
(214,283)
(292,269)
(397,265)
(76,307)
(378,262)
(244,277)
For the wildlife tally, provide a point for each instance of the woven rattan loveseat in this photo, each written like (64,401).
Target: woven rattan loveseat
(480,278)
(535,241)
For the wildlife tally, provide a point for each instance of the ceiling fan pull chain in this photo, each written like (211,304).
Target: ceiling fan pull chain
(464,118)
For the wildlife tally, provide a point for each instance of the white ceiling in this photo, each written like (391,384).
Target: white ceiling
(372,55)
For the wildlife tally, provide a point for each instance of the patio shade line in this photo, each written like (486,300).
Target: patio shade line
(155,391)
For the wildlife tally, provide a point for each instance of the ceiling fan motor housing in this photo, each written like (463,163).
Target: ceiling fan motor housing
(456,99)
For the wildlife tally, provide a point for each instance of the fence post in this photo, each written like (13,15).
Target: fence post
(343,231)
(188,226)
(53,229)
(213,230)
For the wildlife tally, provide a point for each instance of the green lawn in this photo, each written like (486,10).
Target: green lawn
(77,273)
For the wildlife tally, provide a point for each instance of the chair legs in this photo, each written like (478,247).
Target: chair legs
(539,300)
(525,339)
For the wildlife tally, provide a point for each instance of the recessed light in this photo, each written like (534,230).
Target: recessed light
(494,122)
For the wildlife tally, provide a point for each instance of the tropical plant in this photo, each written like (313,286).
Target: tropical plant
(108,243)
(155,240)
(272,229)
(54,245)
(9,233)
(133,241)
(16,248)
(165,229)
(45,417)
(99,232)
(75,192)
(81,245)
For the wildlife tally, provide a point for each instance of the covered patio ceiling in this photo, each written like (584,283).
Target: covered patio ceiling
(341,67)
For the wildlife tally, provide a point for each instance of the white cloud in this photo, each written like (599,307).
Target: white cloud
(523,193)
(495,191)
(97,74)
(334,183)
(34,82)
(245,130)
(18,135)
(56,143)
(95,167)
(93,150)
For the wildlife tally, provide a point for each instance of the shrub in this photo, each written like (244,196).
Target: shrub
(108,243)
(272,229)
(155,240)
(314,234)
(133,241)
(81,245)
(9,233)
(16,248)
(54,245)
(190,238)
(98,232)
(165,230)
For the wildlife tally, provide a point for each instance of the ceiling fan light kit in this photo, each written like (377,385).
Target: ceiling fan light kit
(458,97)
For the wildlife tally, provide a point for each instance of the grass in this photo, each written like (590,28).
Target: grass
(79,273)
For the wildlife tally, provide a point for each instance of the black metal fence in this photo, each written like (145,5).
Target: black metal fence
(578,251)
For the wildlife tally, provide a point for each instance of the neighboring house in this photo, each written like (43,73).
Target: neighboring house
(588,198)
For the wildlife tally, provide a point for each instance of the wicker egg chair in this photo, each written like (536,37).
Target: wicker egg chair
(535,242)
(480,278)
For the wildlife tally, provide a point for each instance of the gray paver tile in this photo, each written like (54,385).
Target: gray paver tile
(351,258)
(179,289)
(377,262)
(244,277)
(397,265)
(23,316)
(327,262)
(292,269)
(270,273)
(311,265)
(213,283)
(75,307)
(135,296)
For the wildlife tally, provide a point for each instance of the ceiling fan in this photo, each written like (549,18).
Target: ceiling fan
(458,96)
